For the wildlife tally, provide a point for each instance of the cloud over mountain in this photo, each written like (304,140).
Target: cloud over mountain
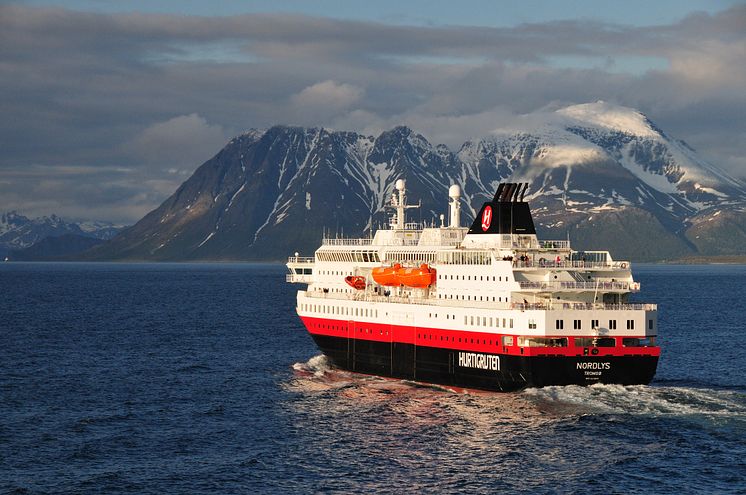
(130,94)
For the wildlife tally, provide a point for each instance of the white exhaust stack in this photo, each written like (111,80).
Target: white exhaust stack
(454,192)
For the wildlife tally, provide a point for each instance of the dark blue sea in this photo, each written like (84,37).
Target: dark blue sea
(199,378)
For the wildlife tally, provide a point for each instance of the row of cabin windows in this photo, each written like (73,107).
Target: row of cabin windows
(482,278)
(469,298)
(507,340)
(340,290)
(578,325)
(339,310)
(585,341)
(349,256)
(465,258)
(333,272)
(410,256)
(483,321)
(448,317)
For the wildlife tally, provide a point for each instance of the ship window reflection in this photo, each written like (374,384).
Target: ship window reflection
(595,342)
(542,342)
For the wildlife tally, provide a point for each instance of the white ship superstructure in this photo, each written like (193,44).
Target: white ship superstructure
(490,306)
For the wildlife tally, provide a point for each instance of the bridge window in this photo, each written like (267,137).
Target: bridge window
(595,342)
(633,342)
(542,342)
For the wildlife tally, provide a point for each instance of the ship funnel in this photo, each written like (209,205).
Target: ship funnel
(454,192)
(510,192)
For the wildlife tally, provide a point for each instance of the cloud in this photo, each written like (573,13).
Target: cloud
(320,102)
(151,92)
(183,141)
(328,94)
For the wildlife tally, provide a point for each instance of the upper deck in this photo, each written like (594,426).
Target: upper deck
(497,262)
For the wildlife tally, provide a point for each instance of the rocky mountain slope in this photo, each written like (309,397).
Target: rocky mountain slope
(604,175)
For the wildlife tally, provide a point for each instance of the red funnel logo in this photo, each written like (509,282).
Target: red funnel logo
(486,218)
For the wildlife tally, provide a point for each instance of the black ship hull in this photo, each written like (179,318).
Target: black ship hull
(467,369)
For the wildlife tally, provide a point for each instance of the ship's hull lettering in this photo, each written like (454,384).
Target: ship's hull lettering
(479,361)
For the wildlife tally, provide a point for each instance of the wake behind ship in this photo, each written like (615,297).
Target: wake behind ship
(489,307)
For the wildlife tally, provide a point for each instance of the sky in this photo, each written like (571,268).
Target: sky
(107,107)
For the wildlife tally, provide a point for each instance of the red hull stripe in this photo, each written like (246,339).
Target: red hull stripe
(458,339)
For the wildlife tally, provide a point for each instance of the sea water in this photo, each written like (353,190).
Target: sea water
(199,378)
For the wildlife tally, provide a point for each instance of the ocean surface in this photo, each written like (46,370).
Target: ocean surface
(199,378)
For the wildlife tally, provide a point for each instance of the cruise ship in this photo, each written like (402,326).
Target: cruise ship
(487,307)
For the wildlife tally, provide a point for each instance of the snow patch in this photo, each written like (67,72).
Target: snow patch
(230,203)
(616,117)
(658,182)
(206,239)
(710,190)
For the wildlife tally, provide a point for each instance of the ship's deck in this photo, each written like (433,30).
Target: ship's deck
(429,301)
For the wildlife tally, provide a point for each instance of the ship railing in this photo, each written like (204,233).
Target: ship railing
(554,244)
(346,242)
(414,299)
(301,259)
(567,264)
(295,278)
(587,306)
(560,285)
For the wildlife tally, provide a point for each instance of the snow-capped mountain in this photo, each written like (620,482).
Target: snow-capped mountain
(604,175)
(20,232)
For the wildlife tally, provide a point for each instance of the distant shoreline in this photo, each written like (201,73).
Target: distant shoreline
(706,260)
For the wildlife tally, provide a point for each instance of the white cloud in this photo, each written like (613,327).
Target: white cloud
(327,95)
(186,140)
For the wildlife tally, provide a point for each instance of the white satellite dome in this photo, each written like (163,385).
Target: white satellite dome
(454,191)
(400,185)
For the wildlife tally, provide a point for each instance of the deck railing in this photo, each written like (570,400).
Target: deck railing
(346,242)
(551,306)
(548,263)
(559,285)
(554,244)
(300,259)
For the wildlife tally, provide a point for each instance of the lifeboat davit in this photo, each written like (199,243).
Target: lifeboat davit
(386,275)
(419,278)
(355,282)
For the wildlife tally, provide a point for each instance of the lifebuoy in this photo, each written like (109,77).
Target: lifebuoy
(623,265)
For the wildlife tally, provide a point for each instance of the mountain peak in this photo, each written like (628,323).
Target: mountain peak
(19,232)
(610,116)
(595,162)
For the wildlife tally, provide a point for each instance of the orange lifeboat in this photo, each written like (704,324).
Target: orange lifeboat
(386,275)
(355,282)
(419,278)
